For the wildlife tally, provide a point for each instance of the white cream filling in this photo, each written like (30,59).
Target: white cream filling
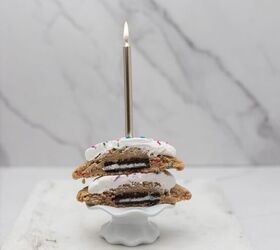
(145,198)
(124,166)
(152,147)
(105,183)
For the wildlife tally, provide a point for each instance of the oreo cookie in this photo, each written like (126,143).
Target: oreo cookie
(132,163)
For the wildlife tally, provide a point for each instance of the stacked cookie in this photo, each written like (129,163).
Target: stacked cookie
(130,172)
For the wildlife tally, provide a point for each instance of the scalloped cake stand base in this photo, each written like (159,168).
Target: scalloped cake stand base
(130,226)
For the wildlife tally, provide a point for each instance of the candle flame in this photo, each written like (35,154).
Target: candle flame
(125,33)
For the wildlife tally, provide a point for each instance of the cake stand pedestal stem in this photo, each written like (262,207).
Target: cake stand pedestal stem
(130,230)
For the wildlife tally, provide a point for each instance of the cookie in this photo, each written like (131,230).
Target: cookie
(134,197)
(126,161)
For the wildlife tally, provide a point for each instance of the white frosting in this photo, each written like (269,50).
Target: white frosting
(146,144)
(124,166)
(106,183)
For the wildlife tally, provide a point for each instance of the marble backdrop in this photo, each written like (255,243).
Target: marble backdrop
(205,78)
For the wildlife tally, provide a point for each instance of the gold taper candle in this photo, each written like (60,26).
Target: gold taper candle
(127,84)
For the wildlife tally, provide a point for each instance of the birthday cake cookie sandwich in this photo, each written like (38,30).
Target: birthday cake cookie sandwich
(130,172)
(127,155)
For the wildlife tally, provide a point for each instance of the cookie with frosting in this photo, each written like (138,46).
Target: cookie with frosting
(127,155)
(134,190)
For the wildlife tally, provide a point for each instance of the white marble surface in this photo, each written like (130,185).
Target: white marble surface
(206,78)
(252,194)
(52,219)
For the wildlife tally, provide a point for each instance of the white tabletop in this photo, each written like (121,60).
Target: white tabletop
(252,193)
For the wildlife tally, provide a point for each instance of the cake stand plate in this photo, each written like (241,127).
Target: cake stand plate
(130,226)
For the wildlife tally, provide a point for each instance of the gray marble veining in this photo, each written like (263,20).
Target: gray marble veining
(205,78)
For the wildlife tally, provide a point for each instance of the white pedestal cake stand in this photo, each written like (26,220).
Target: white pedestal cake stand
(130,226)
